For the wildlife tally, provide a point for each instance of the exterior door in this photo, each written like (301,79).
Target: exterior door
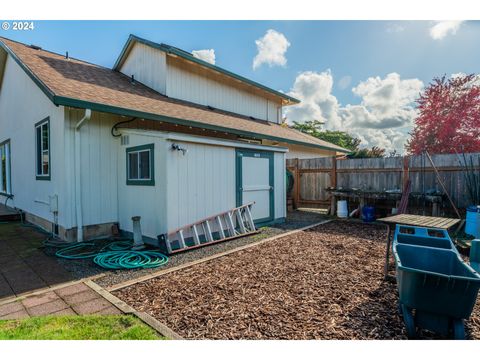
(255,183)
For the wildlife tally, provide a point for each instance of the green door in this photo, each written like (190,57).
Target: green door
(254,181)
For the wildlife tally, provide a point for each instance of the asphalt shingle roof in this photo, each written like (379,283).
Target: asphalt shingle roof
(71,82)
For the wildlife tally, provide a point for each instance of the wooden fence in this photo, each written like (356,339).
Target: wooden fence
(313,176)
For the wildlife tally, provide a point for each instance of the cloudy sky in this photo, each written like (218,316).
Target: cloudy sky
(357,76)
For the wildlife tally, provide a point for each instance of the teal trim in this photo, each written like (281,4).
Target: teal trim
(241,153)
(66,101)
(146,182)
(29,72)
(187,56)
(37,176)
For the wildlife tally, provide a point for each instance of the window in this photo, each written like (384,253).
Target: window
(5,184)
(42,140)
(140,169)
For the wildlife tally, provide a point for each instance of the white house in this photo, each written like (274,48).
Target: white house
(162,135)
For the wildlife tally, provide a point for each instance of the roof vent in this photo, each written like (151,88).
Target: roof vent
(252,118)
(36,47)
(211,108)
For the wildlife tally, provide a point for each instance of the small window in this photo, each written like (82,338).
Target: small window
(5,163)
(140,170)
(42,141)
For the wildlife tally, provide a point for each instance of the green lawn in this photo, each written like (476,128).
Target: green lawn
(89,327)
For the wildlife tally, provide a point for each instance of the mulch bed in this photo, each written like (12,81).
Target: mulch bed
(295,220)
(325,283)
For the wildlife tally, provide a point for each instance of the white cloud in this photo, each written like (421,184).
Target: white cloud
(344,82)
(475,81)
(314,89)
(444,28)
(271,49)
(207,55)
(382,118)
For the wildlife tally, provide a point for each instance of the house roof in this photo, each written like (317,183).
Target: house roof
(74,83)
(132,39)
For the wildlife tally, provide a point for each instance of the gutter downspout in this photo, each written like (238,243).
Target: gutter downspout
(78,183)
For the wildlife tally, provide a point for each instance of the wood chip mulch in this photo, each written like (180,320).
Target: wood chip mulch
(325,283)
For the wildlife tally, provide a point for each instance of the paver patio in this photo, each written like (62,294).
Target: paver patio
(69,300)
(24,267)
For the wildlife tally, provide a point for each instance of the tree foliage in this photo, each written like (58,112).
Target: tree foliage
(449,117)
(340,138)
(373,152)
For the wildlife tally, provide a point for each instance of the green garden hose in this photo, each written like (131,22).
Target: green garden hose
(129,259)
(114,255)
(78,251)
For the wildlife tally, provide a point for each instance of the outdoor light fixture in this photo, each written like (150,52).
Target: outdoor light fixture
(178,148)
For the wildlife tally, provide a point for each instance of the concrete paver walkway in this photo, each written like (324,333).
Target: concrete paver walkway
(69,300)
(24,267)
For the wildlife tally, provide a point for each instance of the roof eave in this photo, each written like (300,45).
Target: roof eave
(76,103)
(286,99)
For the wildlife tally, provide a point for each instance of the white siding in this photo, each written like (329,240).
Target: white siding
(155,69)
(273,111)
(200,183)
(280,185)
(189,86)
(148,65)
(99,157)
(22,104)
(149,202)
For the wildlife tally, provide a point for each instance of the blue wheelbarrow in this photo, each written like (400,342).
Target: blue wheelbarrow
(437,289)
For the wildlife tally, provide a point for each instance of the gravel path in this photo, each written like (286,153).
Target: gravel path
(296,219)
(325,283)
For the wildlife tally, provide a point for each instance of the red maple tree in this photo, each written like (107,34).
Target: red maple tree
(449,117)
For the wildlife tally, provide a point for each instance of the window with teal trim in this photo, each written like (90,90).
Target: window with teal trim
(5,182)
(42,146)
(140,165)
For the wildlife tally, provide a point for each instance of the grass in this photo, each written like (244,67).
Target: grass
(89,327)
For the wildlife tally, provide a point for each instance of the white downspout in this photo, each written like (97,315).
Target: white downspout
(78,183)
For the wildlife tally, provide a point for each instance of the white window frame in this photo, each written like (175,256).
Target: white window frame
(149,148)
(39,171)
(5,151)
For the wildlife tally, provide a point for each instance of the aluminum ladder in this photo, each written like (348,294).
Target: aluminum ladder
(224,226)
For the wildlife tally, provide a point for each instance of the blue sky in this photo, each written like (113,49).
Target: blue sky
(331,56)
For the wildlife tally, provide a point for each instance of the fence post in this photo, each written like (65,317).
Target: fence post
(333,184)
(405,171)
(296,188)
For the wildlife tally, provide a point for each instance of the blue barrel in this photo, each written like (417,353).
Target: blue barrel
(368,213)
(472,226)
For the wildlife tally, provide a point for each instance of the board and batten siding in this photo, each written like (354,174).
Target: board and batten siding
(22,105)
(99,156)
(156,70)
(279,166)
(148,202)
(199,89)
(147,65)
(200,183)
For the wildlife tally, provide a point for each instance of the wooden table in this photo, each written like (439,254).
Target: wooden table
(414,220)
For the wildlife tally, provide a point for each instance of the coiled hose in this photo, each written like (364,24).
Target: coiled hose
(114,255)
(130,259)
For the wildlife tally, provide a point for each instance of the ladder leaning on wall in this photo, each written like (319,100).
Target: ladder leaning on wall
(224,226)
